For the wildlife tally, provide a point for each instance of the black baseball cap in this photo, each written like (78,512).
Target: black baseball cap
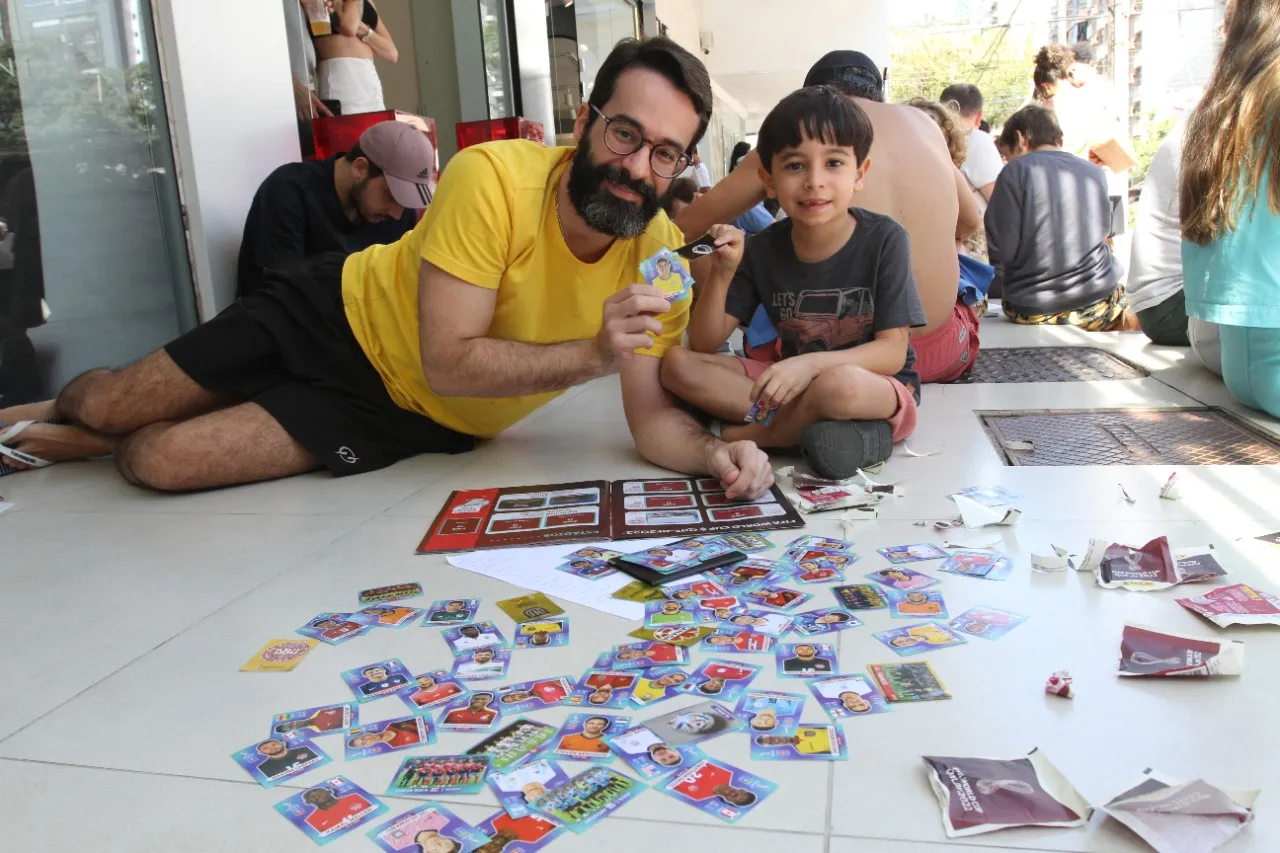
(841,65)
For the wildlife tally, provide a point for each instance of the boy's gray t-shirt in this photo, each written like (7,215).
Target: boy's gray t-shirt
(838,303)
(1047,226)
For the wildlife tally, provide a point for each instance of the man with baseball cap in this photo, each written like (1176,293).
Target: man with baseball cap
(911,179)
(347,203)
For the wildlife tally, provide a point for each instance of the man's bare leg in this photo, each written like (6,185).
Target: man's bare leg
(149,391)
(716,384)
(228,447)
(103,405)
(844,393)
(42,411)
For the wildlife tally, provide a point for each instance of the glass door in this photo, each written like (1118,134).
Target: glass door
(93,258)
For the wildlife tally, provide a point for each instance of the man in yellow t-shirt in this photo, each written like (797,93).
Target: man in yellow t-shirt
(520,282)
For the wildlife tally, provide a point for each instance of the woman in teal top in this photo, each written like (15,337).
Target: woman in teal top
(1230,200)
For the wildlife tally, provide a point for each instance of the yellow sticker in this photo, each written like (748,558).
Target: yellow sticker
(280,655)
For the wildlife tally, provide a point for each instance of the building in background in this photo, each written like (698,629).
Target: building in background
(1173,47)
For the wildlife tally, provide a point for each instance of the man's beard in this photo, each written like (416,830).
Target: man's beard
(601,209)
(355,198)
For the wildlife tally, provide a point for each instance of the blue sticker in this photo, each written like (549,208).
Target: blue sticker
(331,809)
(518,787)
(388,736)
(805,660)
(718,789)
(430,826)
(276,759)
(582,737)
(451,611)
(439,774)
(825,620)
(847,696)
(769,710)
(375,680)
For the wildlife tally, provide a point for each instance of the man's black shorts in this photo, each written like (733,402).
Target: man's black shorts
(289,348)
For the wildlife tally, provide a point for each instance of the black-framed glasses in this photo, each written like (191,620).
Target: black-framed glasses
(624,137)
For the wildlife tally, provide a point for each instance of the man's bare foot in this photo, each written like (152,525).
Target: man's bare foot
(59,443)
(46,410)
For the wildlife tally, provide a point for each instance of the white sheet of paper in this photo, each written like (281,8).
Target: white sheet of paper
(4,506)
(535,569)
(977,515)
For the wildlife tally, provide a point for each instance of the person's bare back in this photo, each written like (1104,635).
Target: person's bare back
(912,179)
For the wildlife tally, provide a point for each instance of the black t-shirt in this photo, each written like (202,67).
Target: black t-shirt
(838,303)
(295,214)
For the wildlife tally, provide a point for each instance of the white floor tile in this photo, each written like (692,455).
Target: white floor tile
(86,593)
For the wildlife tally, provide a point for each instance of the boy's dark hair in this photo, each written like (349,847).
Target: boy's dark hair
(1053,63)
(966,97)
(1083,52)
(818,112)
(375,171)
(1037,125)
(681,189)
(685,71)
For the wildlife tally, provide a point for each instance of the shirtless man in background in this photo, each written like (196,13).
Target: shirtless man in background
(911,179)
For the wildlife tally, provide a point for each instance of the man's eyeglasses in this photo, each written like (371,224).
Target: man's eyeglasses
(624,137)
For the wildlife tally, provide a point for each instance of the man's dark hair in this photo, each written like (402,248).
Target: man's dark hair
(375,171)
(685,71)
(818,112)
(858,84)
(1037,125)
(1083,52)
(966,97)
(1053,63)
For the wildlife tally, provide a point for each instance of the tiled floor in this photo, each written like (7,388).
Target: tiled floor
(129,614)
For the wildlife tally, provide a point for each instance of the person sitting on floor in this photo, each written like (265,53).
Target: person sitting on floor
(982,162)
(1154,287)
(975,275)
(837,283)
(1230,204)
(1047,229)
(516,285)
(915,182)
(347,203)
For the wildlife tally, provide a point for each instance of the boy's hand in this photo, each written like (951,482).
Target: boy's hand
(742,468)
(728,254)
(784,381)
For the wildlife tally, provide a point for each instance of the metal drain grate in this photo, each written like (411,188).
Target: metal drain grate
(1049,364)
(1130,437)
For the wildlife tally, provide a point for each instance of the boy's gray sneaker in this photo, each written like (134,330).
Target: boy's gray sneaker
(837,449)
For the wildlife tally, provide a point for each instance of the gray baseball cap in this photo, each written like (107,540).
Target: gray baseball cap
(406,158)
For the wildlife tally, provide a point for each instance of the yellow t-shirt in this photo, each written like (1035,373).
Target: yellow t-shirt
(493,224)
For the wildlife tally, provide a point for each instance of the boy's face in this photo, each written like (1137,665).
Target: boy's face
(815,182)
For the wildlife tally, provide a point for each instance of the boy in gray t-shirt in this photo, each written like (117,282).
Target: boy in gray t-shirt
(836,281)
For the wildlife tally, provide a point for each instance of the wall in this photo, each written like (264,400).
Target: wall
(682,18)
(234,121)
(437,70)
(399,81)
